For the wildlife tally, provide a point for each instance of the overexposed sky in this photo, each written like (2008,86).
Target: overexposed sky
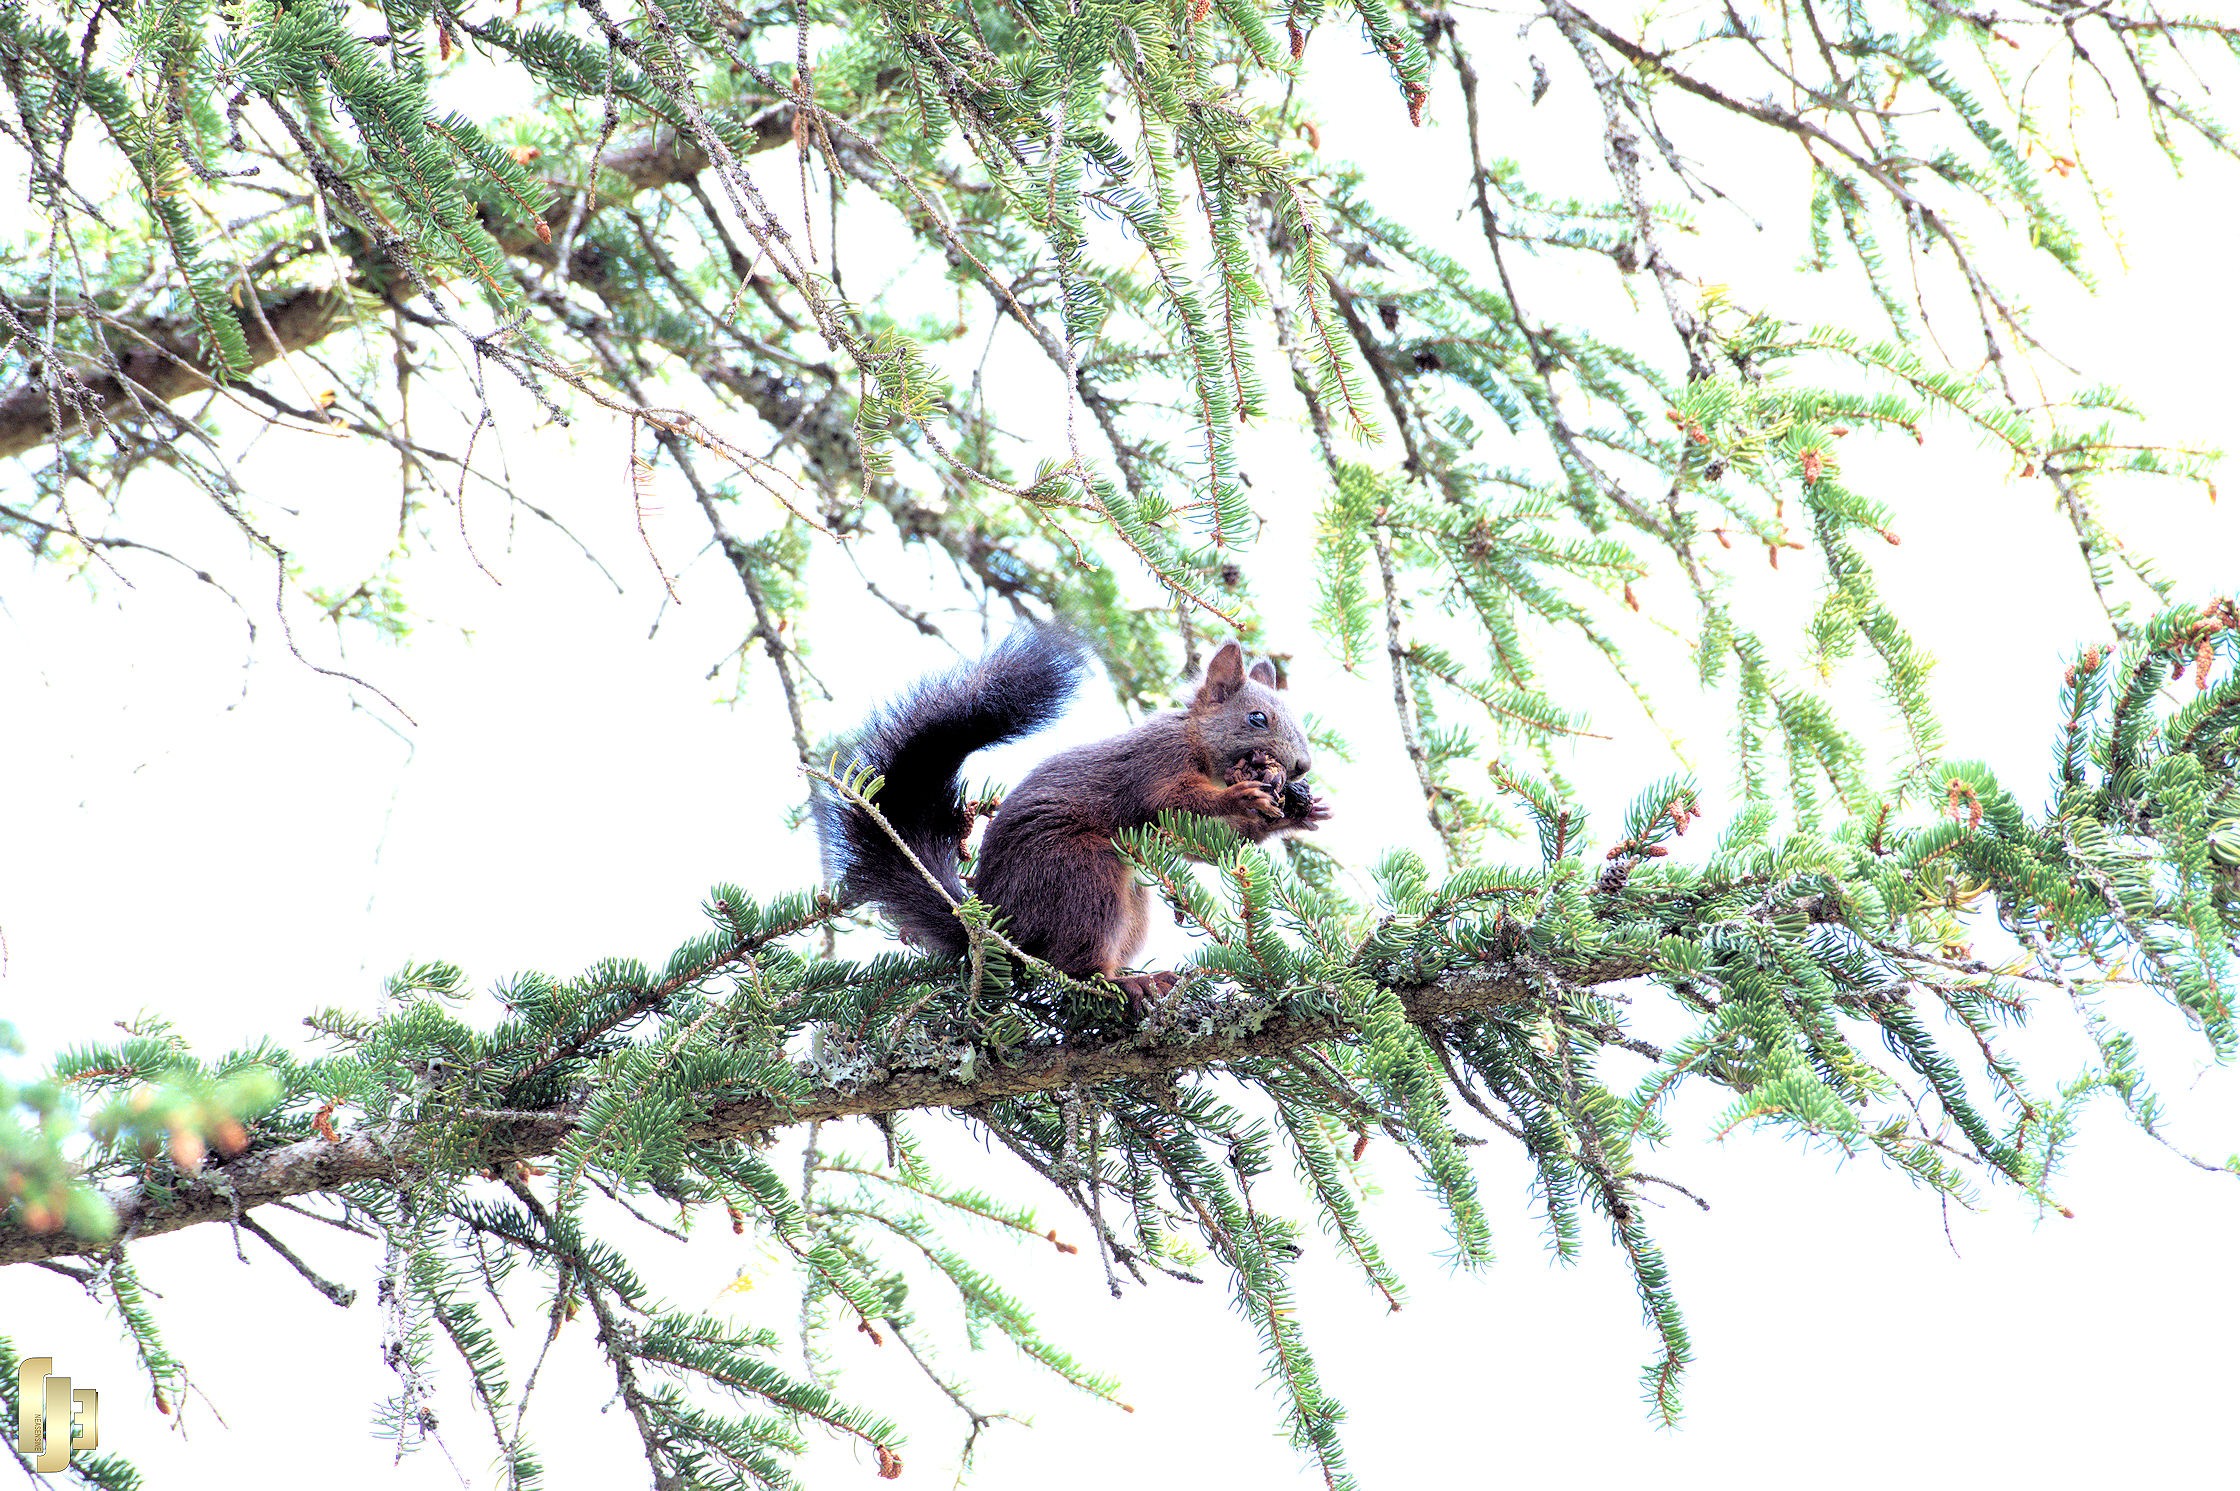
(200,827)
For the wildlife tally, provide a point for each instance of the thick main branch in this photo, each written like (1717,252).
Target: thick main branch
(1189,1034)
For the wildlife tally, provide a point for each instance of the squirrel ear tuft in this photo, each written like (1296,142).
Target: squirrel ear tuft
(1265,672)
(1224,675)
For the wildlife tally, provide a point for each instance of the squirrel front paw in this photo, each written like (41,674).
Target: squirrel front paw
(1249,800)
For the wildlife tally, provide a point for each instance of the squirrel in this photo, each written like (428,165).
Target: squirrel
(1047,863)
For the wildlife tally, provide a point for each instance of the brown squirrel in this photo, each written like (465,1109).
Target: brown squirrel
(1047,863)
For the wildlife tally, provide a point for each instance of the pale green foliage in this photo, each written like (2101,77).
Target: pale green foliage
(1140,191)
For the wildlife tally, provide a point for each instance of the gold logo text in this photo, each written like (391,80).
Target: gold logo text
(52,1420)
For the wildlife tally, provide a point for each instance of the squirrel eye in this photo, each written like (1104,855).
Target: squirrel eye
(1258,720)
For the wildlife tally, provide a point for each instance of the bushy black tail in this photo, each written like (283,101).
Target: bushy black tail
(919,743)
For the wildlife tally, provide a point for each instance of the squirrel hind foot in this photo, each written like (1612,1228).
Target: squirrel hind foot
(1144,990)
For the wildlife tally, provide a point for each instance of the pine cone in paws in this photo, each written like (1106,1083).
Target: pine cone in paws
(1262,768)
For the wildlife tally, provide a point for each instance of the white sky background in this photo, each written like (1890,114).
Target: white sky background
(235,859)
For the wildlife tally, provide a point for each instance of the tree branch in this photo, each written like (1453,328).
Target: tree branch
(1191,1032)
(167,361)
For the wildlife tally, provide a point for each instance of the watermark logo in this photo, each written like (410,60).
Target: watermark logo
(52,1420)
